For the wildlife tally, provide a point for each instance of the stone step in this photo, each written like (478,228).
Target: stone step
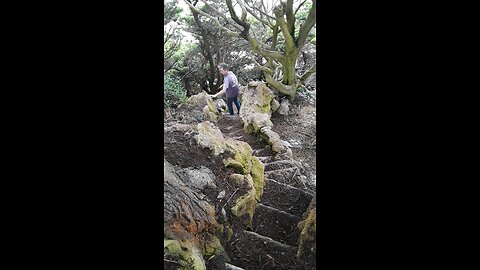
(263,152)
(281,164)
(276,224)
(232,267)
(265,159)
(289,176)
(253,251)
(285,197)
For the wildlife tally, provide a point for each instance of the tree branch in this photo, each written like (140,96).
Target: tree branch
(298,8)
(244,12)
(307,26)
(192,8)
(290,18)
(307,74)
(263,68)
(244,24)
(262,12)
(284,89)
(221,15)
(259,19)
(279,11)
(265,53)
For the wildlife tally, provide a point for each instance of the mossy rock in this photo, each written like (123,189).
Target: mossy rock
(273,139)
(183,253)
(212,246)
(242,154)
(211,106)
(249,169)
(247,203)
(211,137)
(274,104)
(199,98)
(237,179)
(258,177)
(307,247)
(237,166)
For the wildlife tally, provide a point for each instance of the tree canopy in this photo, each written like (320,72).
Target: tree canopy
(259,40)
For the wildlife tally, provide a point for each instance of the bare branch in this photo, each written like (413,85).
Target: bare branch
(307,26)
(244,12)
(290,18)
(243,23)
(259,19)
(263,68)
(298,8)
(279,11)
(307,74)
(194,9)
(221,14)
(261,11)
(265,53)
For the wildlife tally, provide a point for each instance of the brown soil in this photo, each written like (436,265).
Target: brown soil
(299,129)
(181,149)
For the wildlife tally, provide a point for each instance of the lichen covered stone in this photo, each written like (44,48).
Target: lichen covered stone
(249,170)
(209,109)
(247,203)
(258,177)
(185,254)
(307,247)
(211,137)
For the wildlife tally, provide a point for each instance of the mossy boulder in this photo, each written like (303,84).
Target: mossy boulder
(274,104)
(209,106)
(212,246)
(209,136)
(182,254)
(257,103)
(278,145)
(246,203)
(237,179)
(256,111)
(248,168)
(258,177)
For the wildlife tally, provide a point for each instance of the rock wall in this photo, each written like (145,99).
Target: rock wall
(258,102)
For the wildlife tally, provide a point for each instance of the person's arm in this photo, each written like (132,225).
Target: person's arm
(221,92)
(224,90)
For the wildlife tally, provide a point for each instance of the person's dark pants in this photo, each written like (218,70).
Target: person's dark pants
(230,105)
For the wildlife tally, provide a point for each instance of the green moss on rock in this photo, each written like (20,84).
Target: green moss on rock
(211,137)
(237,179)
(237,166)
(185,254)
(212,246)
(307,246)
(258,176)
(249,169)
(247,203)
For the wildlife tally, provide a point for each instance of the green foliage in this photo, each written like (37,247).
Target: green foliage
(184,49)
(188,20)
(171,11)
(306,93)
(173,92)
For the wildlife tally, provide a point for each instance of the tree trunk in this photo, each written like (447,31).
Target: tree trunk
(207,53)
(185,213)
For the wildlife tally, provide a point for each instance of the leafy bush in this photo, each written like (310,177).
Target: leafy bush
(173,92)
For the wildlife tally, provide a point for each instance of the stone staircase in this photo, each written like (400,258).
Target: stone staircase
(272,243)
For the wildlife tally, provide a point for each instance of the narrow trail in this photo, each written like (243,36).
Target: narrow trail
(273,241)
